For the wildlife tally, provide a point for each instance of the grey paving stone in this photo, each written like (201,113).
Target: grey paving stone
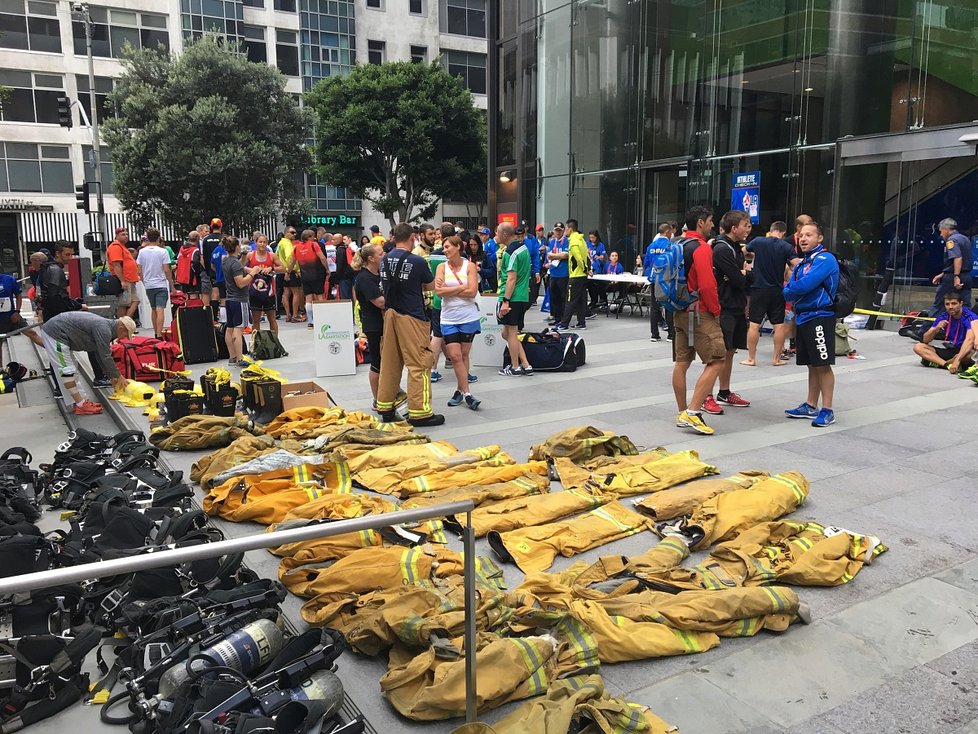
(945,462)
(830,666)
(937,511)
(970,728)
(856,489)
(695,704)
(850,449)
(897,706)
(963,575)
(961,666)
(911,434)
(919,622)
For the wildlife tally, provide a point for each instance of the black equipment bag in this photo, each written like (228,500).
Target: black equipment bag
(193,328)
(552,351)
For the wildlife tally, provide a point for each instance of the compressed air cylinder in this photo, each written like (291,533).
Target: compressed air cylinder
(245,650)
(324,686)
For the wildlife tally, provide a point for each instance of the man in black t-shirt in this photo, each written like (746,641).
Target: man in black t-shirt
(208,284)
(773,254)
(407,333)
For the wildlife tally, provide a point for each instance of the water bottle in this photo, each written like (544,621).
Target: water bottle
(245,650)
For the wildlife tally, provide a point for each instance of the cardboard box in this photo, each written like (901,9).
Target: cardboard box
(310,394)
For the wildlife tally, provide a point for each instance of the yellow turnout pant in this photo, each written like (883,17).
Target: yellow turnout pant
(680,501)
(407,343)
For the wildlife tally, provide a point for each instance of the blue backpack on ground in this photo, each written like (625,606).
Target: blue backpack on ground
(668,278)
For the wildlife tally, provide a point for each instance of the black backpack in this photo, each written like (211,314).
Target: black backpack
(848,289)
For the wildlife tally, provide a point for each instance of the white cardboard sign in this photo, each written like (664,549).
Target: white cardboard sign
(487,347)
(334,344)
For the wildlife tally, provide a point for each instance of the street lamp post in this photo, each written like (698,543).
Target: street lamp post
(80,10)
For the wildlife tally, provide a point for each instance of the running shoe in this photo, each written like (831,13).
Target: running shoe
(970,373)
(656,338)
(472,378)
(580,327)
(710,406)
(591,315)
(472,403)
(508,371)
(802,411)
(435,376)
(561,327)
(525,371)
(734,401)
(86,407)
(690,420)
(103,384)
(928,363)
(456,399)
(825,417)
(310,326)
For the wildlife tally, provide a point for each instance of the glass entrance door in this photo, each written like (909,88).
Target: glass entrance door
(664,200)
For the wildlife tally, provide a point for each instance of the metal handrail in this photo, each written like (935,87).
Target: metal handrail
(315,531)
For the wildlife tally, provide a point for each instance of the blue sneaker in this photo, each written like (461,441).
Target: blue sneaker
(473,378)
(802,411)
(435,376)
(456,399)
(825,417)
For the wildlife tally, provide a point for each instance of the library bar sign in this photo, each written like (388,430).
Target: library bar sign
(22,205)
(332,220)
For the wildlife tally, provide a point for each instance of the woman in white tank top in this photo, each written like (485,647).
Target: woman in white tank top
(457,282)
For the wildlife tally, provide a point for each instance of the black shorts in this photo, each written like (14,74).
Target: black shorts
(293,280)
(262,303)
(460,337)
(373,345)
(815,342)
(767,303)
(734,327)
(7,325)
(516,315)
(434,316)
(222,289)
(946,353)
(238,314)
(313,285)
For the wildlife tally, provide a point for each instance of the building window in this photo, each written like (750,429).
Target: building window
(287,6)
(113,29)
(35,168)
(254,3)
(30,26)
(32,97)
(103,86)
(419,54)
(416,7)
(464,17)
(470,66)
(327,39)
(378,4)
(326,198)
(287,52)
(254,43)
(376,52)
(212,17)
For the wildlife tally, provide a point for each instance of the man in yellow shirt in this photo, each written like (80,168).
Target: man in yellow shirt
(578,266)
(376,238)
(292,298)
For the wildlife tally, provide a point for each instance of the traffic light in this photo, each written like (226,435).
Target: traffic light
(64,112)
(81,198)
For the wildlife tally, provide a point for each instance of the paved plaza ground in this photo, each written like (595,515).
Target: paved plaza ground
(896,650)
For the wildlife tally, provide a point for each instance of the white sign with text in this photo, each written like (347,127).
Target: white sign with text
(334,343)
(487,347)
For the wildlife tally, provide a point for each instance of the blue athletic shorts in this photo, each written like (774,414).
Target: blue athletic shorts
(460,333)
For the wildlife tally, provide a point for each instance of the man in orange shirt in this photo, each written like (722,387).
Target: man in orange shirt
(124,266)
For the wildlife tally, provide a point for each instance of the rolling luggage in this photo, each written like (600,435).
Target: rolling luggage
(193,331)
(552,351)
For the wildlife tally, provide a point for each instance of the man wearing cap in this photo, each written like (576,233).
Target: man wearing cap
(376,238)
(208,284)
(956,276)
(87,332)
(123,264)
(490,248)
(557,255)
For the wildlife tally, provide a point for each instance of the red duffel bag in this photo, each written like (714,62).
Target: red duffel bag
(141,358)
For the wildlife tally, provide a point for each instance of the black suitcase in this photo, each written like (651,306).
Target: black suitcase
(552,351)
(193,328)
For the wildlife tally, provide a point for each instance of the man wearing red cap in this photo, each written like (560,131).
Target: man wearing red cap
(123,264)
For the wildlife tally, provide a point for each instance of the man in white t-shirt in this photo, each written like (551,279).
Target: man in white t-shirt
(154,268)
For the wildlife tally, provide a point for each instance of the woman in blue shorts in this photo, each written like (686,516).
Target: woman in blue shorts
(457,282)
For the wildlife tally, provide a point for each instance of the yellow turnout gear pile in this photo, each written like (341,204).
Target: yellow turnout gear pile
(398,591)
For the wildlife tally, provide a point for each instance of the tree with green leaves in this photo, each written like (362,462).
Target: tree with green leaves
(401,135)
(206,134)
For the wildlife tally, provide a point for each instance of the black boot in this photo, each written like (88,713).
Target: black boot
(268,394)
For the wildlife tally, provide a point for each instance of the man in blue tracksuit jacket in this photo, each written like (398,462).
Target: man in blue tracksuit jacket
(658,245)
(530,241)
(812,287)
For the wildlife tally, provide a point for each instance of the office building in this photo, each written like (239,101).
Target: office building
(861,113)
(43,56)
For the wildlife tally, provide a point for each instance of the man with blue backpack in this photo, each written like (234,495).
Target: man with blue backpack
(684,283)
(658,246)
(813,286)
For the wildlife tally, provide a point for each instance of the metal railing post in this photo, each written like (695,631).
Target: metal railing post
(471,708)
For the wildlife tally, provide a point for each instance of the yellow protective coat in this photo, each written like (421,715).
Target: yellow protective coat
(497,469)
(653,476)
(241,450)
(523,512)
(724,516)
(534,548)
(426,687)
(573,475)
(484,494)
(581,444)
(680,501)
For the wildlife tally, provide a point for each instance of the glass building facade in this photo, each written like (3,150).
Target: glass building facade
(859,113)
